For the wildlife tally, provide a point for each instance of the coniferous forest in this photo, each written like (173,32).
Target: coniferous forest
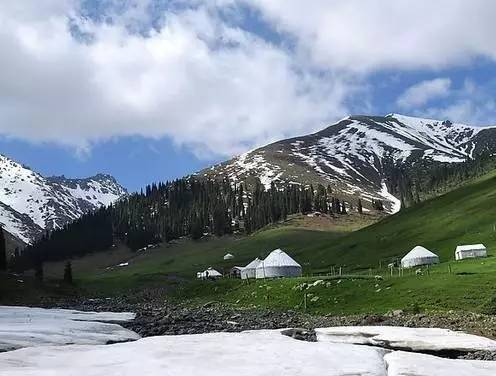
(184,207)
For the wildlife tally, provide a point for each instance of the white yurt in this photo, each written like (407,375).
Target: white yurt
(228,256)
(470,251)
(249,271)
(419,256)
(209,273)
(278,264)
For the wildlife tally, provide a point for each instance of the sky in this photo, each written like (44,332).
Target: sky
(151,90)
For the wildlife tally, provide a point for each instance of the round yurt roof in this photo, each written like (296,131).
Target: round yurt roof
(253,264)
(419,252)
(279,258)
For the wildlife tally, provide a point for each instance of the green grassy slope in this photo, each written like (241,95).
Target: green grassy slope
(469,287)
(464,216)
(184,258)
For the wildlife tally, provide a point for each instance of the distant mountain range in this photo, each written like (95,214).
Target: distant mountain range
(31,203)
(353,154)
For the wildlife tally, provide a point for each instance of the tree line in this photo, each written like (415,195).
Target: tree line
(421,179)
(184,207)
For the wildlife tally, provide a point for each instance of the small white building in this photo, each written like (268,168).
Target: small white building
(235,271)
(419,256)
(470,251)
(210,273)
(228,256)
(249,271)
(278,264)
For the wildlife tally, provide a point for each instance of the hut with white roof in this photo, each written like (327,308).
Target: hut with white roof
(235,271)
(470,251)
(228,256)
(249,271)
(278,264)
(210,273)
(419,256)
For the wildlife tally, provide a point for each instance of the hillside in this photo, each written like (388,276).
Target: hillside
(364,156)
(30,203)
(462,216)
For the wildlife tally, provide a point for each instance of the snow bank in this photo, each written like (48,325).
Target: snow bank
(242,354)
(416,339)
(25,327)
(265,352)
(401,363)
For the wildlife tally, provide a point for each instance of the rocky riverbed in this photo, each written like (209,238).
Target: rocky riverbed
(156,317)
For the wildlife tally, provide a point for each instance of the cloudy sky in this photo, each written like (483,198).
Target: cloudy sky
(150,90)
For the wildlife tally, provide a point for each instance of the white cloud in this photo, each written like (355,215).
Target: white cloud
(209,85)
(423,92)
(212,87)
(364,36)
(471,104)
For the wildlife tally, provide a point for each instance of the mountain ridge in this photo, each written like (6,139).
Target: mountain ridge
(30,203)
(354,155)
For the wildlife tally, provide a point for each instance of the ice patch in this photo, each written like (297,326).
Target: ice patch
(217,354)
(26,327)
(415,339)
(396,202)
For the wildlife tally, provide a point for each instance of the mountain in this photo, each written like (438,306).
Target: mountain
(31,203)
(355,155)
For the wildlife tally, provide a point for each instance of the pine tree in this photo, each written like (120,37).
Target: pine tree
(38,270)
(360,208)
(3,251)
(68,273)
(196,229)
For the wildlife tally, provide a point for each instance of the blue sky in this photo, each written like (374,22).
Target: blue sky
(150,90)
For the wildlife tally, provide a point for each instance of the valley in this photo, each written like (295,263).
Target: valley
(362,253)
(359,244)
(345,251)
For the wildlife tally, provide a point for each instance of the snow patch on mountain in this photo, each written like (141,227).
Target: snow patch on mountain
(31,203)
(353,154)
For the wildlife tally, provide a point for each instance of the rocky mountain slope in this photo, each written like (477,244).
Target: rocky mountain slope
(352,155)
(31,203)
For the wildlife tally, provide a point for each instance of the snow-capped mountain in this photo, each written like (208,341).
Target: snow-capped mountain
(350,155)
(31,203)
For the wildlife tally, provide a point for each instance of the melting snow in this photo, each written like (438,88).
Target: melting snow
(416,339)
(25,327)
(264,352)
(396,202)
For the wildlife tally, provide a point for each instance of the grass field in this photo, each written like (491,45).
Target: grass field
(470,286)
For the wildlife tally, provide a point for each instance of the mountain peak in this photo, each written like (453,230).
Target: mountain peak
(31,203)
(352,155)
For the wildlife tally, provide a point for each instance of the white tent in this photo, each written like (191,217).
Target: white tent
(228,256)
(209,273)
(470,251)
(419,256)
(278,264)
(249,271)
